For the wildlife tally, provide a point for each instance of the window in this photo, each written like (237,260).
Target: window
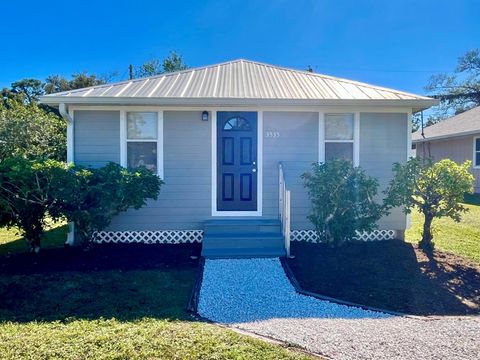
(237,124)
(339,136)
(142,138)
(476,152)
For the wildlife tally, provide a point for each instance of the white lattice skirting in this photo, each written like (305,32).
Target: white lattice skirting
(149,237)
(312,236)
(192,236)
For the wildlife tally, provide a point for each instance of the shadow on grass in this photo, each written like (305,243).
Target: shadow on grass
(392,275)
(472,199)
(54,237)
(126,282)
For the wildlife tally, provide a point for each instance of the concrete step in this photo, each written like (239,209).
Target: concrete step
(227,238)
(246,221)
(241,226)
(242,253)
(245,240)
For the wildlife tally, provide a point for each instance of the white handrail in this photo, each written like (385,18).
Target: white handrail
(284,208)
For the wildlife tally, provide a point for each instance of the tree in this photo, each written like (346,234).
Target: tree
(149,68)
(28,90)
(342,199)
(57,83)
(92,197)
(29,131)
(26,195)
(435,189)
(460,90)
(173,62)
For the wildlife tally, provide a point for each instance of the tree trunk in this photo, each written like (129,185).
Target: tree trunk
(34,245)
(427,236)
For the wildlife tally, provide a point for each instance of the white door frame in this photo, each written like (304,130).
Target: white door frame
(258,212)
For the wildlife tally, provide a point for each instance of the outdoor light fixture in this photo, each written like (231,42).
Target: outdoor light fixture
(205,116)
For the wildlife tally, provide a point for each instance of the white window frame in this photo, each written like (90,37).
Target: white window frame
(355,141)
(124,139)
(474,164)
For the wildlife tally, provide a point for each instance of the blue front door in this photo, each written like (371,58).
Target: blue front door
(236,161)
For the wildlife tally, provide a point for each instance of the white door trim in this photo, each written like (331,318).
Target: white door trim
(258,212)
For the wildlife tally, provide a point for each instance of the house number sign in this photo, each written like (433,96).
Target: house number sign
(272,134)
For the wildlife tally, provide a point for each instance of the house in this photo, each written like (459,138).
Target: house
(230,141)
(456,138)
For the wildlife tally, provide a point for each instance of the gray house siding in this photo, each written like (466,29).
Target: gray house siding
(97,137)
(458,149)
(297,148)
(383,141)
(185,199)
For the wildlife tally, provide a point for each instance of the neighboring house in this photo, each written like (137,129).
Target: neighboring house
(456,138)
(217,135)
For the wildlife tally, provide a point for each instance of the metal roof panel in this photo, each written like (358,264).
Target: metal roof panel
(240,79)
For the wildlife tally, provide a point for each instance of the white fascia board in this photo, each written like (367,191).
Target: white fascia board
(413,104)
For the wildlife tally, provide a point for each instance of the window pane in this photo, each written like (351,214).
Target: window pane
(142,154)
(338,151)
(477,144)
(477,158)
(141,125)
(339,127)
(237,123)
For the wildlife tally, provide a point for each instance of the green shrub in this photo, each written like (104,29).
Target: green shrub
(32,190)
(342,198)
(436,189)
(94,196)
(27,189)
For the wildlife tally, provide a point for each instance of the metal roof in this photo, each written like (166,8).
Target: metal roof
(466,123)
(238,79)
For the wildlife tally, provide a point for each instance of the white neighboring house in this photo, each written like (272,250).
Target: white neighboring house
(218,134)
(456,138)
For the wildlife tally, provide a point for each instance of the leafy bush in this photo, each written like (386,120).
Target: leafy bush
(29,131)
(31,190)
(342,199)
(436,189)
(94,196)
(27,190)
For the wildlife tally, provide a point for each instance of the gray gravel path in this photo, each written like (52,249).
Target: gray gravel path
(255,295)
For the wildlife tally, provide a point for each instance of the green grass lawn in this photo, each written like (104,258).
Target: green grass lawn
(12,242)
(109,312)
(114,315)
(461,238)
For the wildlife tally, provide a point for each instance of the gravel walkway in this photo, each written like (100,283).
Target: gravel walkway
(255,295)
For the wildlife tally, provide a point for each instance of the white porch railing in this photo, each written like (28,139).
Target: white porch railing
(284,208)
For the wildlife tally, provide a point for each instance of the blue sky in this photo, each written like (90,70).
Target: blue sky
(396,44)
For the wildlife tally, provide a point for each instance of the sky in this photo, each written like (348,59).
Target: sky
(397,44)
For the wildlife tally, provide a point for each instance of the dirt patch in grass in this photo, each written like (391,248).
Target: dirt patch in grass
(393,275)
(102,257)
